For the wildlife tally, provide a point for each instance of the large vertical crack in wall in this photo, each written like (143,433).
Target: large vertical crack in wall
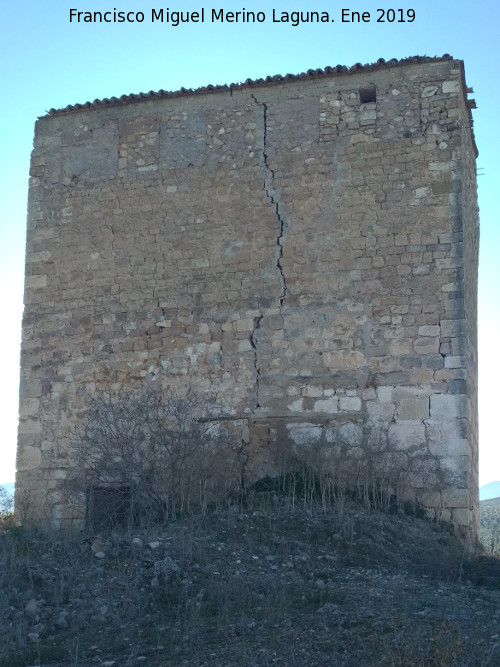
(272,194)
(253,343)
(283,227)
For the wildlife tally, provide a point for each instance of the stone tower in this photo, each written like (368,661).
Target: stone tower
(303,246)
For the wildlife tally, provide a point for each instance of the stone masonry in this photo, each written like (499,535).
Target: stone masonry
(303,247)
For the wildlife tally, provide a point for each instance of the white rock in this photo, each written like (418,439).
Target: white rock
(304,434)
(450,86)
(407,434)
(62,620)
(296,406)
(31,608)
(329,405)
(350,404)
(448,406)
(428,91)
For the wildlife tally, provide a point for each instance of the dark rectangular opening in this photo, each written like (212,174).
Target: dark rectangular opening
(108,507)
(367,95)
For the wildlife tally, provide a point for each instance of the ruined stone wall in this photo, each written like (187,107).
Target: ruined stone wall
(305,250)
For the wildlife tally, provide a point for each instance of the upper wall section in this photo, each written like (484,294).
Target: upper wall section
(182,142)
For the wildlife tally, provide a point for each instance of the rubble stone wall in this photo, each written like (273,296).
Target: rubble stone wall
(305,250)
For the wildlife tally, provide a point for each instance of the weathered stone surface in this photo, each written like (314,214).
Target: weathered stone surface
(329,405)
(431,498)
(426,345)
(407,435)
(307,257)
(304,434)
(28,458)
(414,408)
(30,388)
(461,516)
(452,328)
(455,498)
(31,608)
(447,437)
(350,403)
(447,406)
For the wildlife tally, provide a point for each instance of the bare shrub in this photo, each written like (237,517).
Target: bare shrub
(143,455)
(6,510)
(365,468)
(490,526)
(6,501)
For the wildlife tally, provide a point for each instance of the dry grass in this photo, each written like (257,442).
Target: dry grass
(268,580)
(490,526)
(297,570)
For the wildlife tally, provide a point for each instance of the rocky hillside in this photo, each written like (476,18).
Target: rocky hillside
(269,582)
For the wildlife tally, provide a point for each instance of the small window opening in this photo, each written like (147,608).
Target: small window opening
(367,95)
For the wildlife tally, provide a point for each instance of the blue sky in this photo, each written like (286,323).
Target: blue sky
(46,61)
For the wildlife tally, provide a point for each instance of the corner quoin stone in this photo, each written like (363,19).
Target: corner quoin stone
(303,247)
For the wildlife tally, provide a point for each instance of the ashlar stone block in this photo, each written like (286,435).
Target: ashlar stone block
(329,405)
(406,435)
(28,458)
(414,408)
(447,406)
(304,433)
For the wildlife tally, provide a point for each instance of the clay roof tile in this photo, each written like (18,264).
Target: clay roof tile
(276,79)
